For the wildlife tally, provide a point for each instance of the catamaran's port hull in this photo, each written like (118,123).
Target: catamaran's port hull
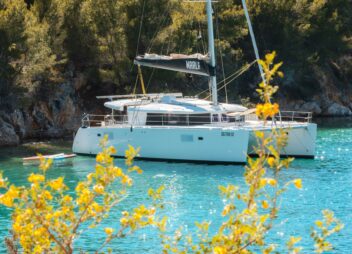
(300,143)
(215,145)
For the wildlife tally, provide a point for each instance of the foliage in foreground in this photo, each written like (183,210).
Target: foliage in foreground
(244,230)
(47,219)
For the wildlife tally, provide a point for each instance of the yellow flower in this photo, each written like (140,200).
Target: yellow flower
(130,154)
(220,250)
(8,198)
(319,223)
(84,197)
(259,109)
(265,204)
(98,208)
(275,108)
(47,195)
(298,183)
(137,169)
(267,110)
(38,249)
(124,221)
(36,178)
(263,182)
(271,181)
(90,177)
(108,231)
(126,180)
(226,210)
(45,164)
(112,150)
(117,172)
(100,158)
(271,161)
(2,181)
(80,186)
(99,189)
(57,184)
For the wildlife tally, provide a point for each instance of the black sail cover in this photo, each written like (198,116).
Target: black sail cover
(195,64)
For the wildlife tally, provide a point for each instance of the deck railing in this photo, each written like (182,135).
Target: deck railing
(90,120)
(294,116)
(287,116)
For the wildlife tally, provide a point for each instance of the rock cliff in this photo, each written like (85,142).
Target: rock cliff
(56,116)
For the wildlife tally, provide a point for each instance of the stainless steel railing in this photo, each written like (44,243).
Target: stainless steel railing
(294,116)
(90,120)
(287,116)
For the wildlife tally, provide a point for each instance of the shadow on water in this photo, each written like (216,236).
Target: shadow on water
(333,122)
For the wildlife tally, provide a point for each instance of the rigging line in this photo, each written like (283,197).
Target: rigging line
(150,78)
(140,27)
(243,70)
(255,47)
(135,85)
(230,76)
(162,21)
(139,34)
(236,72)
(233,74)
(152,41)
(220,51)
(201,37)
(239,74)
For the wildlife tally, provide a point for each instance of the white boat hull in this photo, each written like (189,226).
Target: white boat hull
(225,145)
(300,143)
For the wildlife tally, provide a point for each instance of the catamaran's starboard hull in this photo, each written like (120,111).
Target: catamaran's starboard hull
(300,143)
(215,145)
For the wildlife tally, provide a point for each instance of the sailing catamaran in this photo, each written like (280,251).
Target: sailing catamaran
(173,127)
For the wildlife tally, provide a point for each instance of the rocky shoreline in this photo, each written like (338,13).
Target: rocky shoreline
(60,117)
(320,109)
(57,117)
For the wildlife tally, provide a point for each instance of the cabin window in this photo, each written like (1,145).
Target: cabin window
(224,118)
(154,119)
(174,119)
(177,119)
(215,118)
(198,119)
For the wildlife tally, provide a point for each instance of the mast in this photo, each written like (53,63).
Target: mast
(212,78)
(253,39)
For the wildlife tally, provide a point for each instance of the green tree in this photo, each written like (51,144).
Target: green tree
(12,26)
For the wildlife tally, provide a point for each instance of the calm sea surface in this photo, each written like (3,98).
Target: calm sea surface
(192,191)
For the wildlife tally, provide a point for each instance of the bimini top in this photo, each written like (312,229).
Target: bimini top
(195,64)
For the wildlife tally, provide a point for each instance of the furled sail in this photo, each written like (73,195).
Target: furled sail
(195,64)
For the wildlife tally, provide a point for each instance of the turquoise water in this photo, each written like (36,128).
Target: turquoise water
(192,192)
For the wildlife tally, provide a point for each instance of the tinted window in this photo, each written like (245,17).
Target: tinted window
(177,119)
(198,119)
(154,119)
